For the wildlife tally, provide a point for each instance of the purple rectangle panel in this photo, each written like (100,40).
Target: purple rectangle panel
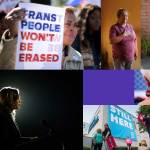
(108,87)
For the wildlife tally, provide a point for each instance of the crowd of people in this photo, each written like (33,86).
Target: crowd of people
(81,40)
(103,140)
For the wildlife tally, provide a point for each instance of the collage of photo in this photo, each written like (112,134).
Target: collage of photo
(74,74)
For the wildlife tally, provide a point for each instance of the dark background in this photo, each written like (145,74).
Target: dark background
(46,2)
(54,96)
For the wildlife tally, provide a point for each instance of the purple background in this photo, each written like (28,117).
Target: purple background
(108,87)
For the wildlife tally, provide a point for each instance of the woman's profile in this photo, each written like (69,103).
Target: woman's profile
(9,132)
(10,137)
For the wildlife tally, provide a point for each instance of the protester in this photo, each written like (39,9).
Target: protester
(9,38)
(123,40)
(129,143)
(71,59)
(109,140)
(88,38)
(98,140)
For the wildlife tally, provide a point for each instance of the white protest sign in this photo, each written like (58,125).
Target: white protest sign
(7,5)
(40,37)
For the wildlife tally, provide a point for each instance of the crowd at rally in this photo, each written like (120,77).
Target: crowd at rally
(82,37)
(103,140)
(81,41)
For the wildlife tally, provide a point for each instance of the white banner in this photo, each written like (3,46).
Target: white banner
(40,37)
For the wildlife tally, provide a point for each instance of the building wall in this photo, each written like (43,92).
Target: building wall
(145,18)
(101,112)
(109,9)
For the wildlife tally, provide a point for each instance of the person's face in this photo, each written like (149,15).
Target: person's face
(94,21)
(146,101)
(70,29)
(16,104)
(143,143)
(106,126)
(123,18)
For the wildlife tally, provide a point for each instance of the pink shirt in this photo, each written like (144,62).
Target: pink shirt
(125,49)
(128,141)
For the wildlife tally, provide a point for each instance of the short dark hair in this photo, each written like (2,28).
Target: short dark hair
(121,11)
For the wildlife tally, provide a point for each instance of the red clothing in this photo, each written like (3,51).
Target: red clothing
(141,119)
(111,142)
(125,49)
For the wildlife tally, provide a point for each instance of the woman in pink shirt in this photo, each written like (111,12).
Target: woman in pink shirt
(123,40)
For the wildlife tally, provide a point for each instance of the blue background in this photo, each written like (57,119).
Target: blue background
(108,87)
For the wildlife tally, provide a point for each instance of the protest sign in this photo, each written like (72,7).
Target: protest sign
(40,37)
(121,123)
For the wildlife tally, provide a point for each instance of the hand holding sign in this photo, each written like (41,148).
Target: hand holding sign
(12,19)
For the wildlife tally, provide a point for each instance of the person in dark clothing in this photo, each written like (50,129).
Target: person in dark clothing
(88,38)
(10,137)
(107,136)
(146,119)
(9,132)
(107,131)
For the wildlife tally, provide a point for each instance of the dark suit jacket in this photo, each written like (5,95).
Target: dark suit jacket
(9,132)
